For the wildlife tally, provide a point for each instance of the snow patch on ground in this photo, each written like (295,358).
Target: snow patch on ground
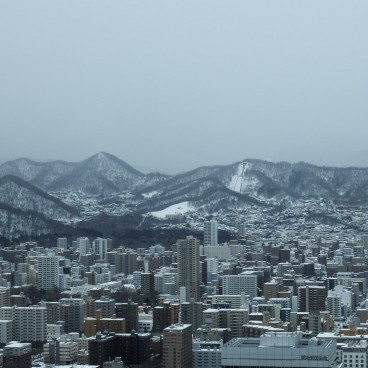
(237,179)
(175,209)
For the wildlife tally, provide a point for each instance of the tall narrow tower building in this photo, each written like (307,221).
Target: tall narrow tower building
(189,266)
(210,233)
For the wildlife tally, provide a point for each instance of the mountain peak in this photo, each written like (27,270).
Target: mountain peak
(103,160)
(104,156)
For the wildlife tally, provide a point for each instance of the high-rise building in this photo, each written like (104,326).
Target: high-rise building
(236,284)
(47,272)
(163,316)
(52,311)
(129,311)
(6,331)
(177,346)
(126,263)
(271,289)
(101,349)
(29,323)
(311,298)
(83,246)
(234,319)
(221,252)
(210,233)
(242,230)
(314,322)
(189,266)
(191,313)
(99,247)
(212,269)
(147,283)
(106,306)
(333,304)
(4,297)
(72,312)
(62,243)
(134,348)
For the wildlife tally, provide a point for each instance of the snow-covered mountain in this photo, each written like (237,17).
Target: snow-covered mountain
(104,174)
(104,183)
(17,193)
(25,208)
(300,180)
(260,182)
(100,174)
(15,223)
(37,173)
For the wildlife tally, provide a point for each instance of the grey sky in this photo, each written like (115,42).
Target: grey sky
(173,85)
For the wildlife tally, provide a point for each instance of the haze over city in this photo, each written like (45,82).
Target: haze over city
(170,87)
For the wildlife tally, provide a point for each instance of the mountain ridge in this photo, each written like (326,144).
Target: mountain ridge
(105,174)
(68,192)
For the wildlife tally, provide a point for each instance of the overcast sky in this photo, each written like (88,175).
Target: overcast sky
(173,85)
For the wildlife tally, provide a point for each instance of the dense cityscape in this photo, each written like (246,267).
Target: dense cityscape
(246,303)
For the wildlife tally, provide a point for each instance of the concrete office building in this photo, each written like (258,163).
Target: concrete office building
(212,268)
(333,304)
(54,331)
(62,243)
(177,346)
(48,272)
(134,348)
(17,355)
(236,284)
(165,315)
(6,331)
(72,312)
(147,283)
(126,263)
(311,298)
(221,252)
(206,333)
(235,301)
(192,313)
(145,322)
(206,354)
(129,311)
(4,297)
(354,354)
(279,350)
(165,281)
(233,319)
(106,306)
(101,349)
(113,324)
(29,323)
(61,351)
(52,311)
